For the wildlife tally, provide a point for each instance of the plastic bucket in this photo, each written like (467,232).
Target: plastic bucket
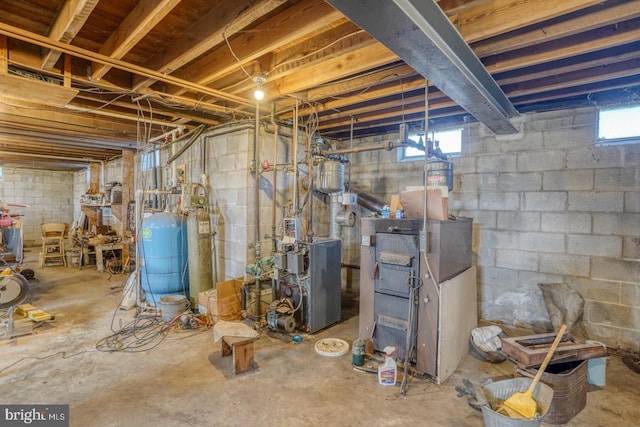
(171,306)
(497,392)
(597,368)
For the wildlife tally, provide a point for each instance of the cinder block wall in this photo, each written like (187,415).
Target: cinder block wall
(48,194)
(548,206)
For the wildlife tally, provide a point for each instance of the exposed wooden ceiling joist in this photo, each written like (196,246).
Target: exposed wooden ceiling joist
(191,62)
(69,21)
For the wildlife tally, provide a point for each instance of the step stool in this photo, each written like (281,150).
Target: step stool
(242,350)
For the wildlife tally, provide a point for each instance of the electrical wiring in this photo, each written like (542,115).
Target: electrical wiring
(290,61)
(224,35)
(64,354)
(362,91)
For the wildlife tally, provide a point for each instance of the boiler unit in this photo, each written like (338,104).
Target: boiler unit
(307,283)
(392,264)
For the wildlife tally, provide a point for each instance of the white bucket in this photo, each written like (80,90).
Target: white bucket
(171,306)
(597,368)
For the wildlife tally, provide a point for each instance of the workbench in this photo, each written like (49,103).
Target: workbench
(88,247)
(105,247)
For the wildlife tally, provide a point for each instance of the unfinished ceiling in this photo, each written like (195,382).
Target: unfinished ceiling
(85,79)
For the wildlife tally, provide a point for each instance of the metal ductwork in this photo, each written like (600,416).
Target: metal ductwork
(423,37)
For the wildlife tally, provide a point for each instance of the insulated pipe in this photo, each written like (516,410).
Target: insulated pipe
(310,211)
(426,161)
(295,158)
(256,162)
(193,136)
(350,146)
(383,146)
(367,201)
(275,178)
(335,229)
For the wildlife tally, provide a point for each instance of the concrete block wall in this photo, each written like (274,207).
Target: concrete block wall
(48,194)
(226,155)
(112,172)
(548,206)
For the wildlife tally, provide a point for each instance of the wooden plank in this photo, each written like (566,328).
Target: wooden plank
(623,33)
(67,71)
(94,178)
(502,16)
(30,37)
(360,60)
(4,55)
(453,7)
(241,349)
(567,27)
(530,350)
(230,17)
(293,23)
(72,16)
(35,91)
(142,19)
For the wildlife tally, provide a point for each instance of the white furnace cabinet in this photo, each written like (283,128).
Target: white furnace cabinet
(390,259)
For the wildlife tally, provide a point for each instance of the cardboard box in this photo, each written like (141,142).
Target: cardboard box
(413,204)
(223,303)
(229,298)
(208,302)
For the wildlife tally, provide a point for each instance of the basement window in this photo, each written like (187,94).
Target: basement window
(619,125)
(448,140)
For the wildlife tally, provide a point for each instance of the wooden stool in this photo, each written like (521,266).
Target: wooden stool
(242,350)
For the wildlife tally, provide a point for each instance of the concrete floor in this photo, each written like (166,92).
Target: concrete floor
(184,381)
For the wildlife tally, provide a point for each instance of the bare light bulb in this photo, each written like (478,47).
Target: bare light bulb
(258,93)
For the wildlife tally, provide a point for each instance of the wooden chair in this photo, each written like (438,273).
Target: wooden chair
(53,236)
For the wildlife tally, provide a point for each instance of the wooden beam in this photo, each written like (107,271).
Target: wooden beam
(363,85)
(612,57)
(142,19)
(453,7)
(608,15)
(227,19)
(53,119)
(66,77)
(24,144)
(501,16)
(72,16)
(341,48)
(94,178)
(293,23)
(4,55)
(35,91)
(357,61)
(614,35)
(582,76)
(161,115)
(29,37)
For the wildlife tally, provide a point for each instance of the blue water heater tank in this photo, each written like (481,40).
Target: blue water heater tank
(164,252)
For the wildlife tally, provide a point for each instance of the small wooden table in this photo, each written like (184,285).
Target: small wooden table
(242,350)
(103,247)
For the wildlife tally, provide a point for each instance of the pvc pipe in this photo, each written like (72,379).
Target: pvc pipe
(295,158)
(274,195)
